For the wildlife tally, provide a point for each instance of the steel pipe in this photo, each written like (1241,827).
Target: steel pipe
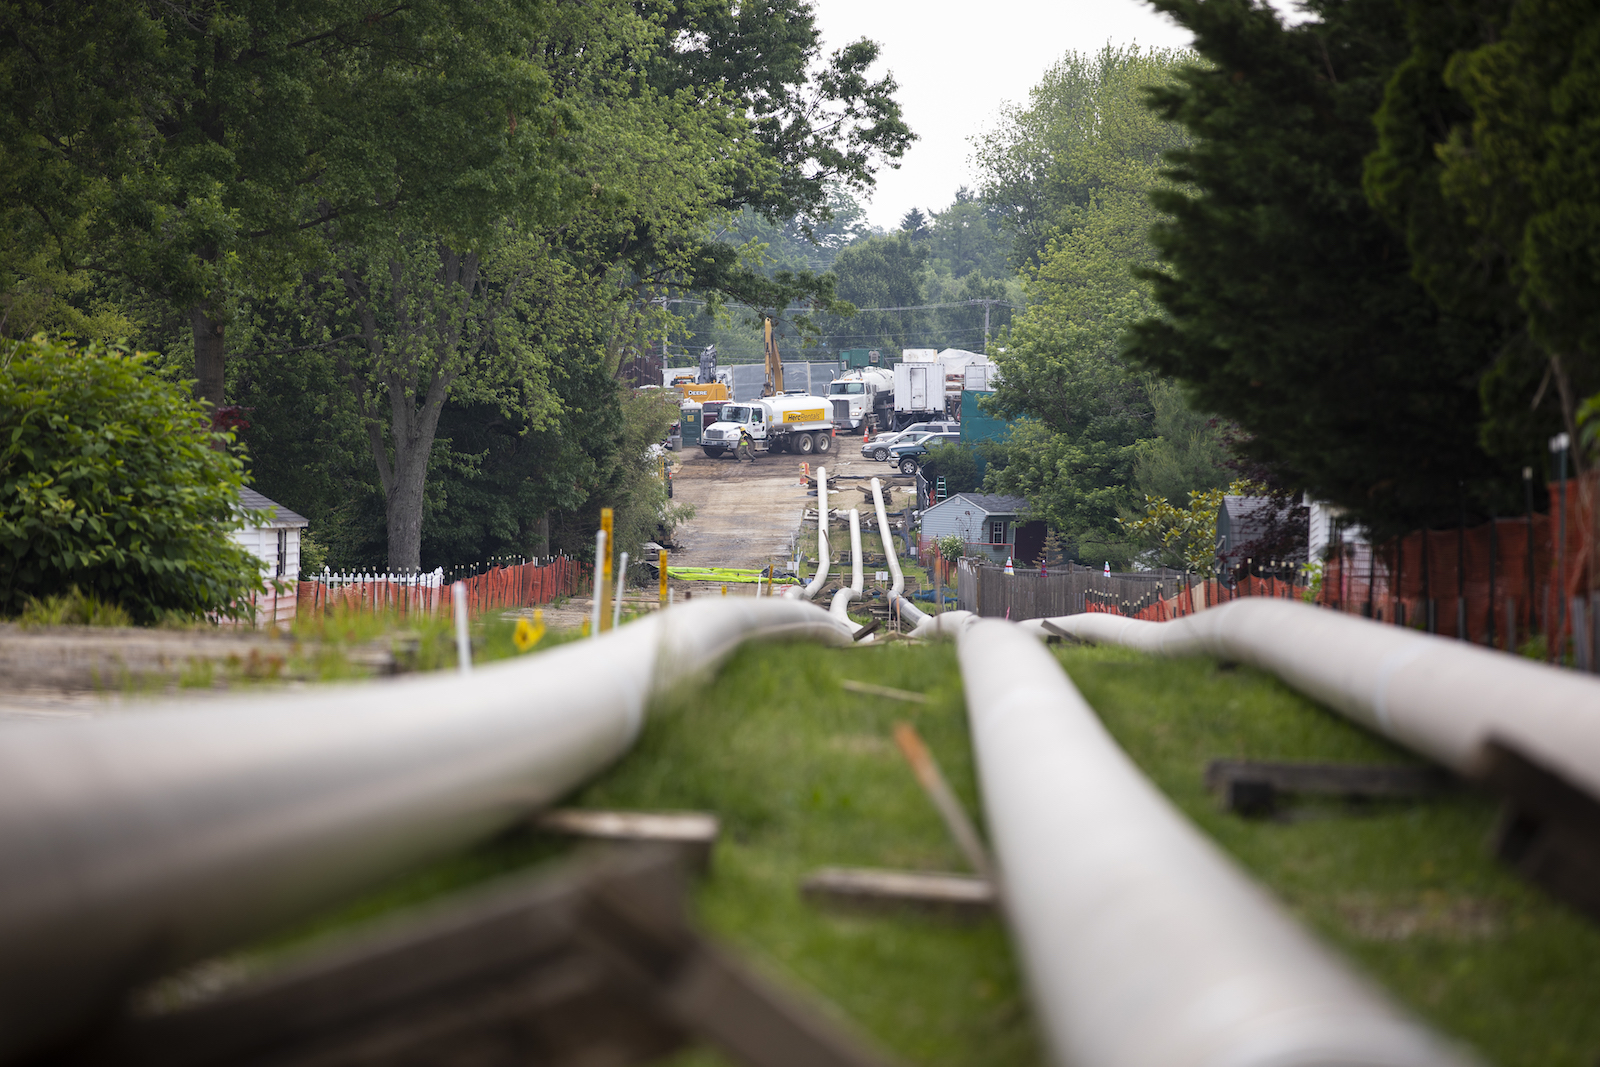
(1143,944)
(818,580)
(906,608)
(840,608)
(131,845)
(1440,697)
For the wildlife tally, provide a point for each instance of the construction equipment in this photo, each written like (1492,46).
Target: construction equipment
(774,383)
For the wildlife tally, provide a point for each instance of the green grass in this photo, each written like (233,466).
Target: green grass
(1408,891)
(804,774)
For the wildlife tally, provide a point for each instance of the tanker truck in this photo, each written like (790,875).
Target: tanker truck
(858,395)
(789,422)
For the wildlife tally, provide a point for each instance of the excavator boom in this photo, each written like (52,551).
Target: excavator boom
(774,384)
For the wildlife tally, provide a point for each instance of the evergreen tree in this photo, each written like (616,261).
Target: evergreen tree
(1289,302)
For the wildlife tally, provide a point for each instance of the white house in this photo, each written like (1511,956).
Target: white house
(276,543)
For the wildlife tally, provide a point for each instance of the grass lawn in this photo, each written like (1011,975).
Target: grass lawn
(803,774)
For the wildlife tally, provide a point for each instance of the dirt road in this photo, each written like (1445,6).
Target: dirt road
(746,514)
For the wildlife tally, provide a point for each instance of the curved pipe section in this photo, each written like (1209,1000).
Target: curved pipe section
(819,579)
(1440,697)
(840,608)
(134,844)
(906,608)
(1143,944)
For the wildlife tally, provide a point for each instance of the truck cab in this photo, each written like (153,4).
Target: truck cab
(857,395)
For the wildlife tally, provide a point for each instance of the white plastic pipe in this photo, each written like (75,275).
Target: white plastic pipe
(1144,945)
(819,579)
(622,583)
(908,611)
(133,844)
(840,608)
(1441,697)
(458,597)
(599,586)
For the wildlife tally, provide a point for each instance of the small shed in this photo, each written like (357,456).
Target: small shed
(276,543)
(989,524)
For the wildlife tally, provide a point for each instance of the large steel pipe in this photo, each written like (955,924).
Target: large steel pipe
(1144,946)
(906,608)
(1440,697)
(818,580)
(840,607)
(133,844)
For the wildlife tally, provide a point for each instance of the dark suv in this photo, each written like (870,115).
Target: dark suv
(908,456)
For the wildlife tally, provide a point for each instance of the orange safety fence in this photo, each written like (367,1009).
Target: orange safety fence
(1498,583)
(497,589)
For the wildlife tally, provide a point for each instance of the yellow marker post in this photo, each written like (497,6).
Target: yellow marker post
(604,566)
(661,561)
(724,588)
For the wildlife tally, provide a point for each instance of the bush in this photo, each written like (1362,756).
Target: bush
(110,484)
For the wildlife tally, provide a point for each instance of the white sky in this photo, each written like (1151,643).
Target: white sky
(958,62)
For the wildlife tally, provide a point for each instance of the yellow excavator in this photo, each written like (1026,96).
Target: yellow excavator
(774,383)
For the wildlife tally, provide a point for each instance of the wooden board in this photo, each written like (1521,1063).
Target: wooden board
(957,895)
(693,833)
(1252,787)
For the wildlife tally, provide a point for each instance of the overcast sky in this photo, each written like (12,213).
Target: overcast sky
(958,62)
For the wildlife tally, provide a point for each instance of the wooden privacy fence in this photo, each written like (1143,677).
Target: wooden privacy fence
(986,589)
(496,589)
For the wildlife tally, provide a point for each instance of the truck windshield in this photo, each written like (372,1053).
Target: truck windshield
(739,414)
(838,388)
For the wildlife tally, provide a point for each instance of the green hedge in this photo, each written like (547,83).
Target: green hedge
(110,483)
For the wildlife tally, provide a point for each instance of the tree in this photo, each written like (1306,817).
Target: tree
(110,483)
(915,223)
(880,272)
(1082,136)
(206,147)
(1289,306)
(1485,164)
(965,238)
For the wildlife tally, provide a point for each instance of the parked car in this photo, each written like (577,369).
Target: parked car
(878,447)
(907,455)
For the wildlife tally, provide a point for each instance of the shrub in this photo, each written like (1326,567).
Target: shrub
(112,483)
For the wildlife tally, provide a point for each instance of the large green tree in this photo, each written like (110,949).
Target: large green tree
(205,147)
(1289,302)
(1075,170)
(1487,165)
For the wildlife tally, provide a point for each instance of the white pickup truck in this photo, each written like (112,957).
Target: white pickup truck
(791,422)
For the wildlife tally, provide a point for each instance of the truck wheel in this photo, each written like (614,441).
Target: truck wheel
(824,442)
(714,453)
(881,455)
(804,444)
(908,466)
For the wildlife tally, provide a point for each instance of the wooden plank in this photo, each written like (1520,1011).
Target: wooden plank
(693,833)
(955,895)
(1252,787)
(871,689)
(595,964)
(1549,829)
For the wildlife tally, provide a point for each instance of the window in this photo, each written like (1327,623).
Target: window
(997,531)
(283,552)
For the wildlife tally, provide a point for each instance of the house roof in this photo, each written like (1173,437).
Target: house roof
(281,516)
(989,504)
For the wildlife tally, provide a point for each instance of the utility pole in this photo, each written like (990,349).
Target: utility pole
(987,304)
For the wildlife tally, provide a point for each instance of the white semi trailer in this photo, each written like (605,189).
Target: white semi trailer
(791,422)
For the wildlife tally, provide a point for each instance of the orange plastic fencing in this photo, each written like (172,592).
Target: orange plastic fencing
(1497,583)
(497,589)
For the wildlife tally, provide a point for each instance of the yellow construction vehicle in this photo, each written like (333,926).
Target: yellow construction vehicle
(703,391)
(774,383)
